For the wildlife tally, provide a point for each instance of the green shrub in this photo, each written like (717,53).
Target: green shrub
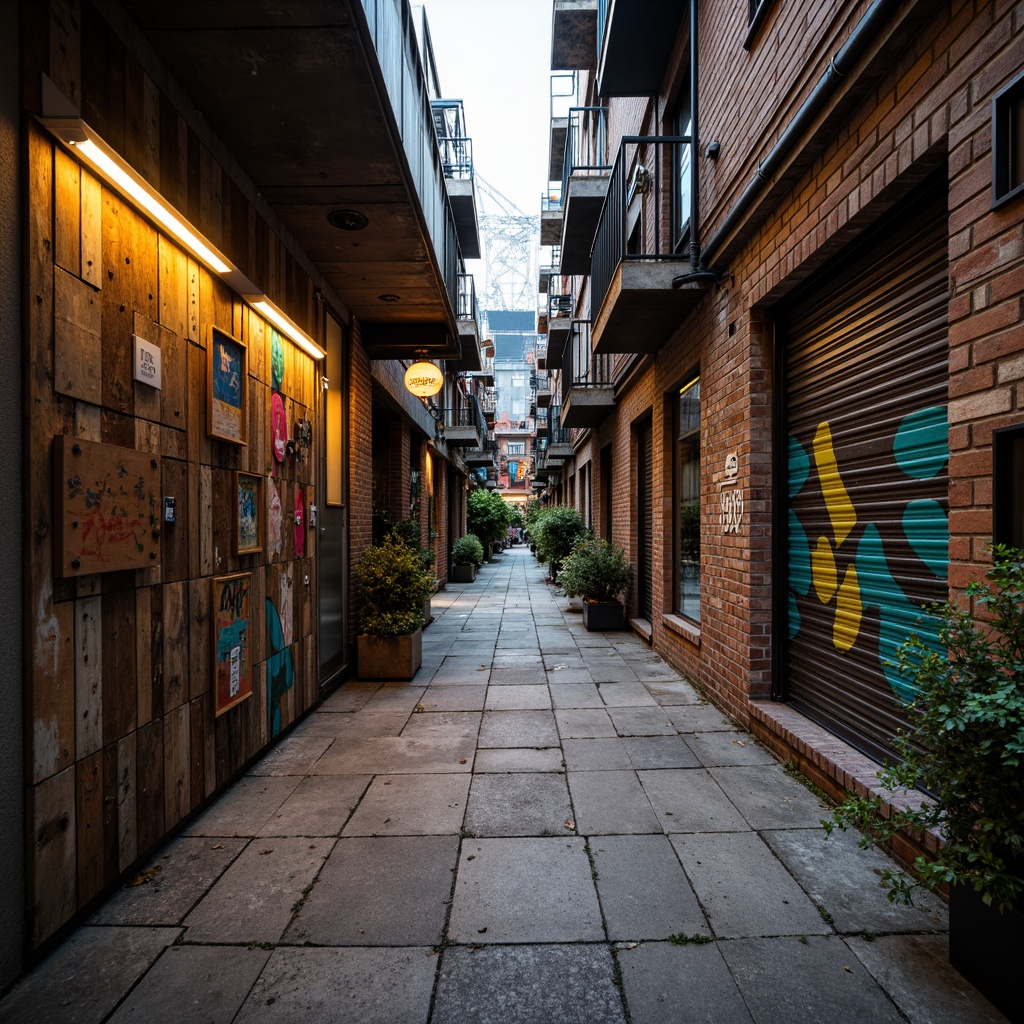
(556,531)
(467,550)
(595,571)
(486,515)
(393,586)
(965,744)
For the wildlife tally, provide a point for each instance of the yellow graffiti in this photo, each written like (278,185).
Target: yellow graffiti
(823,570)
(846,627)
(840,509)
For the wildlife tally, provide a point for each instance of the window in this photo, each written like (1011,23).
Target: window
(687,490)
(1008,486)
(682,124)
(758,11)
(516,448)
(1008,142)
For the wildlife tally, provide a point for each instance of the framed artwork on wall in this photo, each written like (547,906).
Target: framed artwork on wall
(232,669)
(247,535)
(228,375)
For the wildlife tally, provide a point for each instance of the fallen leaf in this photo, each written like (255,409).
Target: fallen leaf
(849,969)
(418,709)
(462,760)
(569,824)
(217,846)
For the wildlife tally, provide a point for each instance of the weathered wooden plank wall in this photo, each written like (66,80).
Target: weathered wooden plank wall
(122,740)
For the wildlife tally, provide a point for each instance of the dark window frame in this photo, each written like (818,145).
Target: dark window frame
(1008,142)
(692,381)
(758,12)
(1008,479)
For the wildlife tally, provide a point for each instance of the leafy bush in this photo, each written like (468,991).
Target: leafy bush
(393,587)
(486,515)
(595,571)
(467,550)
(556,531)
(965,744)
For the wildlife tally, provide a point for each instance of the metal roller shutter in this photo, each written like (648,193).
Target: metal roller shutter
(867,537)
(645,520)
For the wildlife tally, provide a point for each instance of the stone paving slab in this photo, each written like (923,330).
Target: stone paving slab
(395,697)
(744,890)
(670,984)
(624,695)
(768,798)
(641,722)
(411,805)
(294,755)
(319,806)
(568,984)
(608,802)
(343,986)
(441,697)
(728,749)
(171,883)
(643,888)
(845,881)
(518,698)
(245,808)
(673,691)
(698,718)
(575,695)
(816,978)
(599,754)
(524,890)
(518,729)
(521,804)
(194,985)
(252,901)
(518,759)
(650,752)
(86,976)
(584,723)
(391,891)
(689,800)
(350,697)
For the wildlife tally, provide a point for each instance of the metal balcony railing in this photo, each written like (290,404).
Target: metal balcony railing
(582,368)
(559,305)
(465,306)
(551,200)
(489,401)
(655,165)
(586,144)
(466,412)
(455,144)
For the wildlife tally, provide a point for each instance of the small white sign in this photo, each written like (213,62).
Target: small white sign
(147,362)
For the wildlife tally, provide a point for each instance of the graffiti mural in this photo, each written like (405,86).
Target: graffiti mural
(280,669)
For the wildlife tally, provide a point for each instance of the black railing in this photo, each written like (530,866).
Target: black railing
(455,145)
(582,368)
(645,165)
(465,306)
(585,144)
(559,305)
(465,412)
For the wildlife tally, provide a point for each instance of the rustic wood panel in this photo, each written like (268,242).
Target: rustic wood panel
(172,287)
(65,48)
(146,398)
(175,614)
(177,764)
(111,835)
(52,866)
(117,304)
(199,443)
(207,558)
(141,256)
(149,785)
(88,676)
(120,698)
(173,156)
(223,498)
(173,396)
(89,826)
(127,811)
(200,652)
(197,752)
(174,537)
(117,428)
(78,344)
(143,653)
(156,653)
(67,228)
(92,229)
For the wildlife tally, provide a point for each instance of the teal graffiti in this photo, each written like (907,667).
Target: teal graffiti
(280,669)
(276,361)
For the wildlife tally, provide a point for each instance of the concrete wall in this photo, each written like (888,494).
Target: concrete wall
(11,806)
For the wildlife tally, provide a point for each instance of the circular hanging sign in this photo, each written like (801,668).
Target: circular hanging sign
(278,426)
(423,379)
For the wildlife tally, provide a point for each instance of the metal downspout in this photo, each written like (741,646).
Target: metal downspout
(695,254)
(838,68)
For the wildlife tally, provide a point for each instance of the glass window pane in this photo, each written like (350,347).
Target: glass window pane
(688,499)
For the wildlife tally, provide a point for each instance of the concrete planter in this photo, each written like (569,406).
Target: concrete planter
(601,616)
(397,657)
(464,573)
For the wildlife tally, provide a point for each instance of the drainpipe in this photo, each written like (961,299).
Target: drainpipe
(838,68)
(694,147)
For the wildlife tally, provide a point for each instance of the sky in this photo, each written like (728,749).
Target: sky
(495,55)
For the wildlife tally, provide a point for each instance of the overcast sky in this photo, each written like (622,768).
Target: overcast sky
(496,57)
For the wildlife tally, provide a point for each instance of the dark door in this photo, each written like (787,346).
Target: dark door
(644,520)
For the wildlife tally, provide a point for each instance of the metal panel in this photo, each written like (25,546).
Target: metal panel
(645,520)
(866,383)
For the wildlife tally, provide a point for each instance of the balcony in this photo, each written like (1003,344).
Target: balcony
(560,448)
(626,28)
(588,391)
(489,406)
(574,35)
(584,186)
(551,215)
(559,326)
(549,270)
(464,425)
(467,317)
(482,456)
(633,304)
(543,391)
(457,163)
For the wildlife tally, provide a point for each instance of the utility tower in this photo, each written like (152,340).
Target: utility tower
(510,242)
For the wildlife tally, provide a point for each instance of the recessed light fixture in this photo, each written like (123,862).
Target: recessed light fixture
(388,297)
(347,220)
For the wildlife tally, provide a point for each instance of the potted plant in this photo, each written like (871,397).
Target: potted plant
(557,530)
(598,572)
(965,745)
(393,584)
(467,554)
(408,531)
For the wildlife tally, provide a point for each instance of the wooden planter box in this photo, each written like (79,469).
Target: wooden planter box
(600,616)
(464,573)
(397,657)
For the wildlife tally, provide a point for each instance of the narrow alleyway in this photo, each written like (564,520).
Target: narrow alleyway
(545,825)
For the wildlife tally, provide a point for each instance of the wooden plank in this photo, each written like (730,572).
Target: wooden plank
(120,697)
(172,284)
(142,251)
(117,304)
(207,561)
(223,486)
(143,653)
(173,395)
(149,786)
(195,327)
(88,676)
(200,653)
(147,399)
(65,47)
(67,207)
(177,765)
(197,752)
(209,745)
(52,882)
(127,847)
(89,826)
(156,653)
(92,230)
(199,443)
(174,537)
(88,422)
(175,612)
(111,835)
